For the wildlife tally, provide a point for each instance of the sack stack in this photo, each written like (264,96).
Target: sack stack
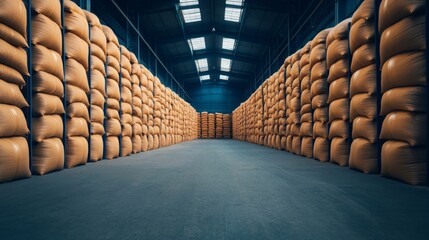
(98,85)
(363,89)
(219,125)
(48,87)
(113,124)
(404,88)
(136,76)
(157,114)
(338,99)
(226,120)
(145,108)
(14,153)
(211,125)
(319,96)
(77,87)
(288,86)
(295,103)
(126,111)
(306,129)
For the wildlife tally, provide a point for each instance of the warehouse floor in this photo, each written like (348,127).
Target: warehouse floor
(212,189)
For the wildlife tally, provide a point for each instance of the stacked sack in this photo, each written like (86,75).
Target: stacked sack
(204,125)
(306,129)
(164,113)
(113,124)
(126,110)
(157,112)
(295,103)
(258,116)
(271,111)
(77,87)
(136,76)
(238,122)
(226,120)
(281,101)
(98,85)
(199,124)
(14,153)
(404,88)
(363,89)
(211,125)
(146,110)
(169,116)
(279,105)
(48,88)
(265,107)
(219,125)
(319,96)
(338,99)
(288,86)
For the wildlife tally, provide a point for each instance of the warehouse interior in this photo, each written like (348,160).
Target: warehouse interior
(214,119)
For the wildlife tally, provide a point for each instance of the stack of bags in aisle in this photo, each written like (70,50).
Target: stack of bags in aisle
(226,121)
(281,101)
(219,125)
(363,90)
(259,116)
(211,125)
(199,124)
(295,104)
(157,114)
(251,118)
(265,111)
(98,85)
(176,119)
(145,108)
(169,116)
(306,129)
(271,111)
(77,87)
(339,104)
(126,111)
(136,76)
(204,125)
(288,86)
(238,123)
(279,106)
(319,96)
(404,88)
(113,124)
(48,87)
(14,153)
(162,130)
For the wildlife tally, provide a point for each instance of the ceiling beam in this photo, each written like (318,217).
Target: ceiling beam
(213,53)
(214,73)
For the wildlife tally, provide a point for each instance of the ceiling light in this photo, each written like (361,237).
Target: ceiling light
(225,64)
(202,65)
(191,15)
(224,77)
(233,14)
(205,77)
(235,2)
(228,43)
(188,2)
(197,43)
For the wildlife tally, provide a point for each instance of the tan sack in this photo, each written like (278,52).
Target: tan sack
(113,127)
(364,81)
(145,145)
(113,104)
(77,127)
(411,99)
(76,75)
(10,75)
(75,94)
(363,156)
(97,98)
(11,94)
(77,49)
(96,149)
(77,151)
(78,109)
(14,159)
(307,147)
(339,109)
(14,14)
(405,126)
(75,20)
(150,141)
(49,126)
(46,32)
(97,114)
(48,156)
(340,150)
(137,143)
(112,147)
(48,61)
(365,128)
(14,57)
(50,8)
(321,149)
(44,82)
(339,128)
(126,146)
(11,36)
(44,104)
(97,81)
(363,56)
(12,121)
(97,128)
(401,161)
(363,105)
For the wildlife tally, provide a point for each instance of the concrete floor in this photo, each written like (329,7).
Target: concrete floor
(212,189)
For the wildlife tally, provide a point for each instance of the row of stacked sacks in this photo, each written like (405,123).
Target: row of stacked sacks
(14,158)
(337,91)
(226,123)
(238,118)
(199,125)
(204,125)
(219,125)
(211,125)
(55,82)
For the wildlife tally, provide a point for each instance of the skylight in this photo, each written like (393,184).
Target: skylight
(202,65)
(228,43)
(191,15)
(233,14)
(224,77)
(197,43)
(205,77)
(235,2)
(188,2)
(225,64)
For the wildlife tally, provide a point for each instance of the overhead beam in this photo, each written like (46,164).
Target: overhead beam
(234,75)
(213,53)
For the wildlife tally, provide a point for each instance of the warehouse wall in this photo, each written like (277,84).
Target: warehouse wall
(217,98)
